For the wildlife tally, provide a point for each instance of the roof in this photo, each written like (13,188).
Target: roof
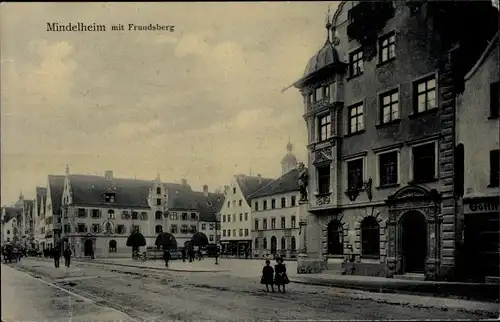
(209,206)
(286,183)
(12,212)
(56,186)
(326,56)
(41,195)
(483,57)
(250,184)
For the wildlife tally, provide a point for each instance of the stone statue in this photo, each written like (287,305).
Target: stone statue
(303,181)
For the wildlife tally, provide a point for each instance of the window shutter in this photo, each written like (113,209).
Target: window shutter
(494,99)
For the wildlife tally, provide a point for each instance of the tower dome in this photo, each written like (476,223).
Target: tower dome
(289,161)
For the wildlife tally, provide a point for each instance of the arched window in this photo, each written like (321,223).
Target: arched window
(111,214)
(112,246)
(283,243)
(370,237)
(158,215)
(274,245)
(256,243)
(158,229)
(264,243)
(335,238)
(293,243)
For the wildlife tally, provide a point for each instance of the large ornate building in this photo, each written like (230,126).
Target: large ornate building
(379,105)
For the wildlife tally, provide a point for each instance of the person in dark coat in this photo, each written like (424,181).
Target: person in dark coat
(267,275)
(183,252)
(67,256)
(280,277)
(166,257)
(56,254)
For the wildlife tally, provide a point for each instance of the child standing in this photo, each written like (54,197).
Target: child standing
(280,278)
(267,275)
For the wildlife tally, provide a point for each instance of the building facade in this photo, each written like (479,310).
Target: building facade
(379,108)
(236,224)
(39,215)
(10,228)
(275,227)
(53,211)
(478,113)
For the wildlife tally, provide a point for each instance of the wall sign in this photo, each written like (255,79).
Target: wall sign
(483,206)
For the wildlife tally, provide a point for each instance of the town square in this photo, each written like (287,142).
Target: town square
(250,161)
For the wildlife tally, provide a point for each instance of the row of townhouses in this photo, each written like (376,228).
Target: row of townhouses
(96,214)
(401,106)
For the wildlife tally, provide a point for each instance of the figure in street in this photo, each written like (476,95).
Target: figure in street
(56,254)
(166,256)
(280,277)
(267,275)
(67,256)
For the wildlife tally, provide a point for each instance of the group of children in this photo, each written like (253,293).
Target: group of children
(276,276)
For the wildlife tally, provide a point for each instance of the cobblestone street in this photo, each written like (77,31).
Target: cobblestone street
(146,294)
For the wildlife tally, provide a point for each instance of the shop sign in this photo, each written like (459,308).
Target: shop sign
(482,206)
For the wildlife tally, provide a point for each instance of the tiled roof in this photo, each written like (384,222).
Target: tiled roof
(209,206)
(56,186)
(41,195)
(250,184)
(12,212)
(286,183)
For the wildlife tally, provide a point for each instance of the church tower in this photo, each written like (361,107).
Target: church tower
(289,161)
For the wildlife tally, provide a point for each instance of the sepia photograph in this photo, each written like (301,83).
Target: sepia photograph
(257,161)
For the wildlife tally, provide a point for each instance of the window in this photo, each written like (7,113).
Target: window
(241,217)
(193,229)
(264,224)
(355,174)
(326,91)
(246,216)
(241,232)
(387,46)
(234,232)
(109,198)
(229,233)
(256,243)
(125,215)
(158,215)
(229,204)
(256,206)
(264,205)
(211,226)
(389,107)
(158,190)
(158,229)
(356,122)
(136,228)
(211,238)
(224,233)
(111,214)
(184,216)
(293,201)
(234,190)
(240,202)
(246,231)
(283,222)
(318,92)
(325,127)
(494,168)
(173,229)
(283,243)
(264,243)
(96,228)
(425,93)
(256,224)
(370,237)
(8,232)
(120,229)
(323,179)
(283,202)
(293,243)
(335,238)
(158,202)
(494,99)
(203,226)
(96,214)
(356,63)
(134,215)
(194,216)
(173,216)
(273,223)
(388,168)
(184,229)
(112,246)
(273,203)
(293,221)
(424,162)
(144,215)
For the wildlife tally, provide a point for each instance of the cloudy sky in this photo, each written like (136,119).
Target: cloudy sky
(201,103)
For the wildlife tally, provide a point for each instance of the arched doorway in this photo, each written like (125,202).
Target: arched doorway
(274,245)
(88,247)
(413,241)
(335,238)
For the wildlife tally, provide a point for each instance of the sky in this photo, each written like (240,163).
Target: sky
(203,102)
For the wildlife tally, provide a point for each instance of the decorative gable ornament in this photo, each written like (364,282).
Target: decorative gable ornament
(108,228)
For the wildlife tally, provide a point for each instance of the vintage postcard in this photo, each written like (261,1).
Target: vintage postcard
(250,160)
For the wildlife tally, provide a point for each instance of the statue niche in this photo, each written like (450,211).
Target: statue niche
(303,181)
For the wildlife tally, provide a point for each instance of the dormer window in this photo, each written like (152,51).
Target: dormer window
(109,197)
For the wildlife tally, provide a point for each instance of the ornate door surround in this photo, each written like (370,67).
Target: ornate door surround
(427,202)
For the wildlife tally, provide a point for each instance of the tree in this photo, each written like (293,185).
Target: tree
(136,240)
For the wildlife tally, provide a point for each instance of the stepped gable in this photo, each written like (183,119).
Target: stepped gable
(56,186)
(41,195)
(286,183)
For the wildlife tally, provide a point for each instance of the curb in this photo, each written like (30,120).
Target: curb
(156,268)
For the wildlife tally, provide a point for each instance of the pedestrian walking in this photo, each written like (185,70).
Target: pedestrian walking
(267,275)
(183,252)
(166,257)
(67,256)
(56,254)
(280,277)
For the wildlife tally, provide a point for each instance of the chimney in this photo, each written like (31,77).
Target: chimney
(184,182)
(260,178)
(205,190)
(108,175)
